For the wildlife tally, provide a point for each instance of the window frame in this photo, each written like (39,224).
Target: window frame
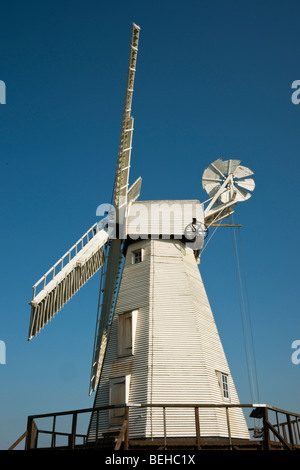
(223,380)
(122,337)
(134,253)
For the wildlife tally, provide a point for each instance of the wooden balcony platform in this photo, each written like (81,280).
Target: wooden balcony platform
(279,430)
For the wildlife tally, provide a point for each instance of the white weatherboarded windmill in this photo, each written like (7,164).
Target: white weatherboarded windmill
(156,340)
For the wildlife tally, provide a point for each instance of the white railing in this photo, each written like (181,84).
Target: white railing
(66,258)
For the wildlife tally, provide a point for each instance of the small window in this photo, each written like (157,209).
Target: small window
(224,385)
(137,256)
(126,333)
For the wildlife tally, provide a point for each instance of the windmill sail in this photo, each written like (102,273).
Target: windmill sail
(108,294)
(66,277)
(124,155)
(108,291)
(75,269)
(122,199)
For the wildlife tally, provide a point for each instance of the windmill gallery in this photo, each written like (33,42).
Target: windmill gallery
(159,372)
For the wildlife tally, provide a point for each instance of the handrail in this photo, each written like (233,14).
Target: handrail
(60,262)
(289,440)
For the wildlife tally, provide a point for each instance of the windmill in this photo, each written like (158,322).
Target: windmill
(155,339)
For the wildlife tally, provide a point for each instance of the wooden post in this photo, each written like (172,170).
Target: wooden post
(266,430)
(31,439)
(126,436)
(197,422)
(295,432)
(53,440)
(29,431)
(228,426)
(165,427)
(97,425)
(73,435)
(278,424)
(284,431)
(297,425)
(290,430)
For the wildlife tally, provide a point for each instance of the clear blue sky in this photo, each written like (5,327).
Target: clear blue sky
(213,80)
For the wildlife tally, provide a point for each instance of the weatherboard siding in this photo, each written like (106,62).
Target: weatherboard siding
(177,350)
(165,218)
(133,295)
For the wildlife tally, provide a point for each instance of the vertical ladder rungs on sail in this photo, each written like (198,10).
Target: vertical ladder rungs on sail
(87,260)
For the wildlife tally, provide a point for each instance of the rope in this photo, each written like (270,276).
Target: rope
(214,220)
(252,380)
(249,315)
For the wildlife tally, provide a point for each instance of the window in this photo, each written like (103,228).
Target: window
(118,395)
(126,333)
(137,256)
(224,385)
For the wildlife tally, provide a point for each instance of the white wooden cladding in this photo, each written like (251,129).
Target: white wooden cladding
(177,350)
(162,218)
(66,283)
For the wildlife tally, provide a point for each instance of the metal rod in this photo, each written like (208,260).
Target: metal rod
(226,225)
